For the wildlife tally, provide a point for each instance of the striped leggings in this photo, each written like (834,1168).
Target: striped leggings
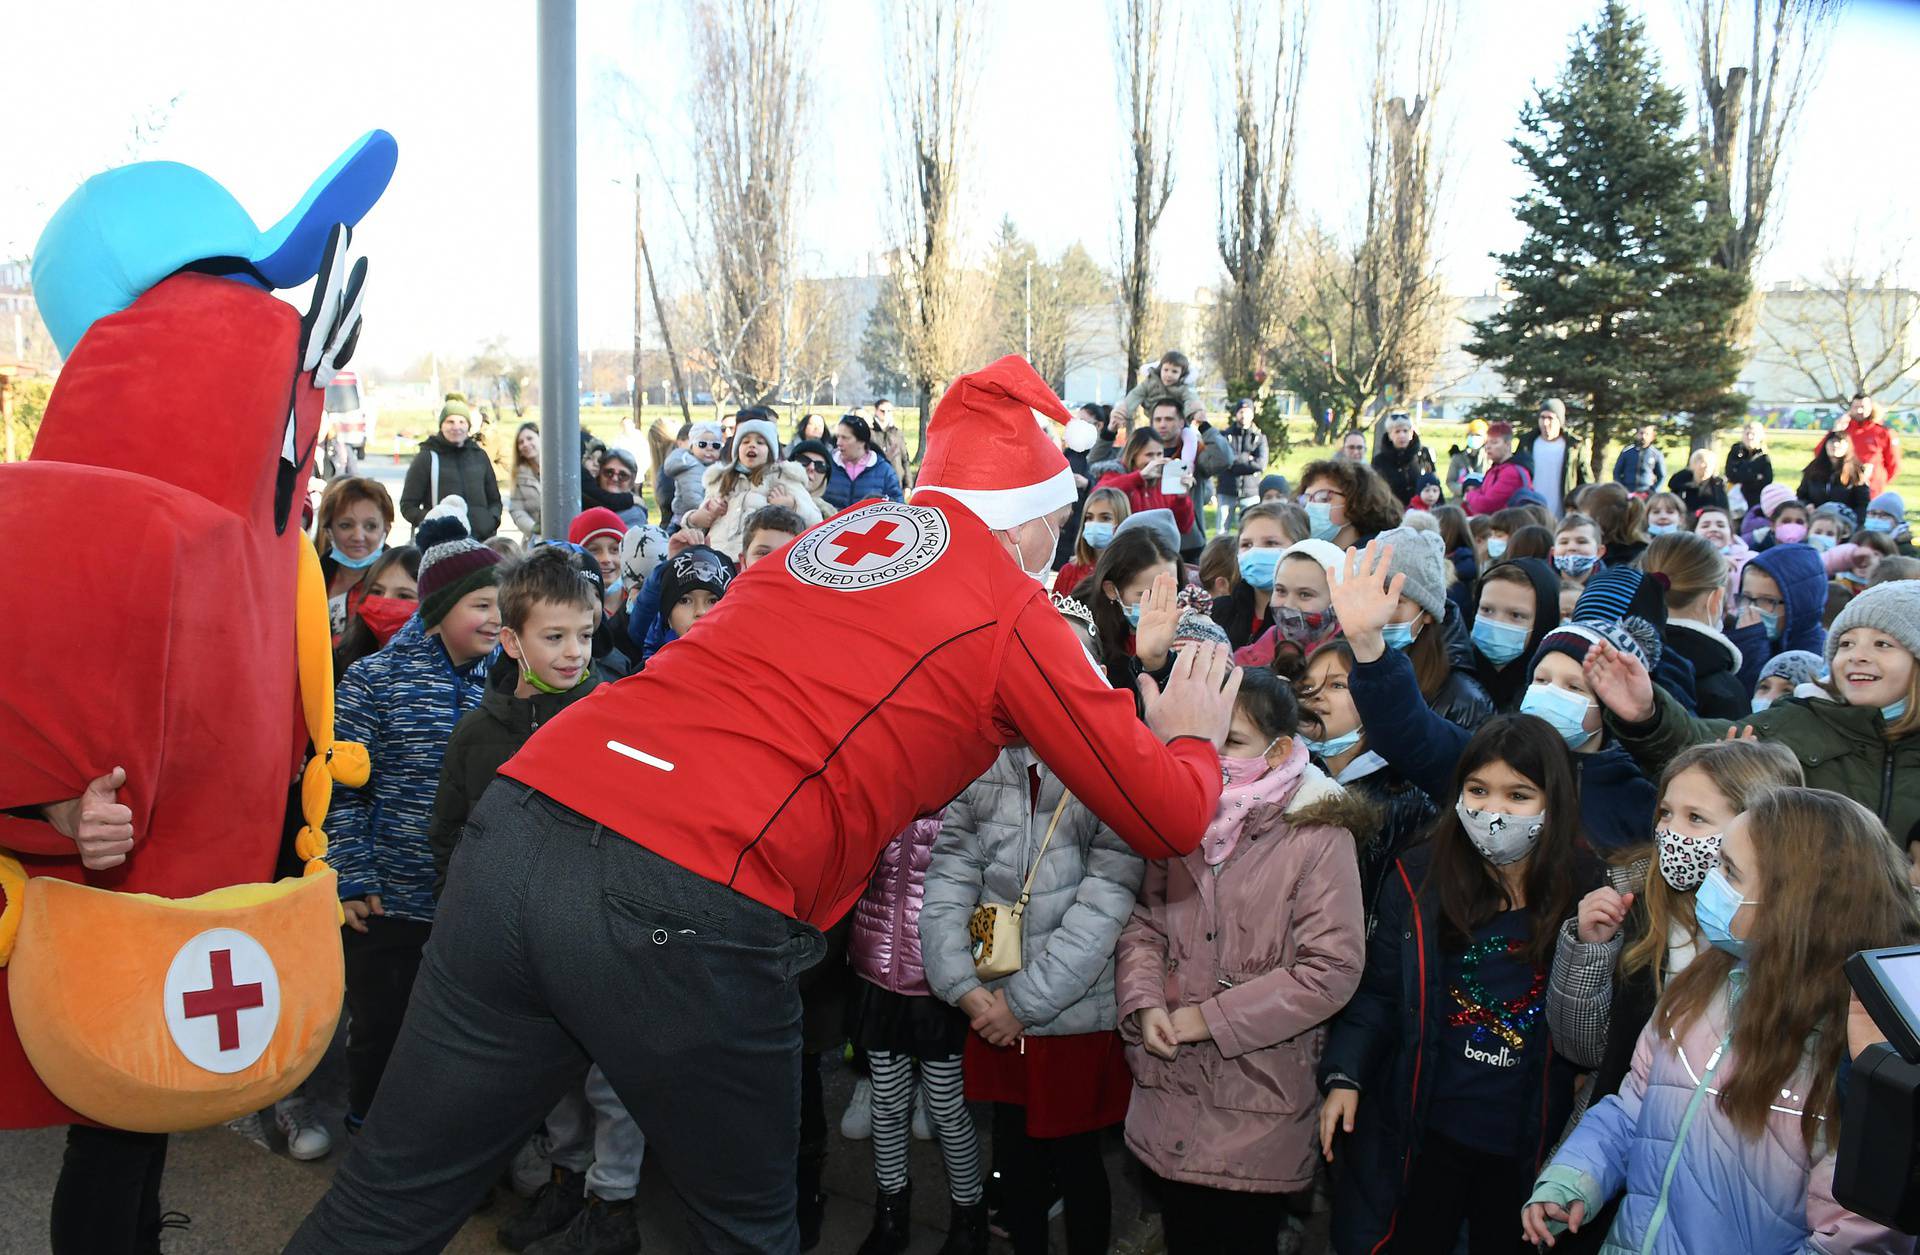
(952,1123)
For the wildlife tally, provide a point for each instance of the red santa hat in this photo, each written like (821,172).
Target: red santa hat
(986,451)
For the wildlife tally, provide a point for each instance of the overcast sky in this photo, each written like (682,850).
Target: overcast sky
(267,95)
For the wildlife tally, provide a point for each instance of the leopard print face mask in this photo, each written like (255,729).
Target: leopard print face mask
(1685,861)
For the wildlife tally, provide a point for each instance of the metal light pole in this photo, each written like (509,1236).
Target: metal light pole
(1029,305)
(559,271)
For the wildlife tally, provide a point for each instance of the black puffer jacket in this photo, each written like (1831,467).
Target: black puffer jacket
(484,739)
(1405,813)
(464,471)
(1460,698)
(1402,468)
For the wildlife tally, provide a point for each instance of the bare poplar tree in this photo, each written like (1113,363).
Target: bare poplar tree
(1748,111)
(1258,126)
(1852,328)
(1369,319)
(750,109)
(1146,57)
(939,304)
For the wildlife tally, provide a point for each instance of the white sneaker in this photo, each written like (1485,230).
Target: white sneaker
(250,1127)
(857,1124)
(532,1165)
(307,1138)
(922,1122)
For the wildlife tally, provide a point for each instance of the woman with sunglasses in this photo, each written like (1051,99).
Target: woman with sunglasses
(814,458)
(858,469)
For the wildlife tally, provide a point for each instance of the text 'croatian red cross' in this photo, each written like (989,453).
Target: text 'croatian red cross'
(224,1000)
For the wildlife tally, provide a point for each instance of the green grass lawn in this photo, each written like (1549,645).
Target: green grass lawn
(1791,450)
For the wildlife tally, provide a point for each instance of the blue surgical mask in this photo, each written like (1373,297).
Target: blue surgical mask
(1821,542)
(1565,710)
(1770,624)
(1133,614)
(1499,643)
(1496,546)
(615,585)
(1662,529)
(1257,567)
(1761,703)
(1715,903)
(1397,635)
(1879,523)
(1893,713)
(1097,535)
(357,564)
(1334,746)
(1320,520)
(1575,564)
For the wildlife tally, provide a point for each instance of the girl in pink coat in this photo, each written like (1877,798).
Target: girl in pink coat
(1233,961)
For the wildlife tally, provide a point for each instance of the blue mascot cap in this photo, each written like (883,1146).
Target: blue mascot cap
(125,230)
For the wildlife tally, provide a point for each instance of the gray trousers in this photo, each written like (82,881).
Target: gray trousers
(557,942)
(591,1132)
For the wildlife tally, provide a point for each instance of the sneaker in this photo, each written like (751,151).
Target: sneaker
(857,1124)
(922,1122)
(600,1227)
(251,1127)
(532,1165)
(307,1138)
(552,1209)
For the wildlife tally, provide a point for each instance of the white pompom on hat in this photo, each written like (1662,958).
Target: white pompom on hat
(985,450)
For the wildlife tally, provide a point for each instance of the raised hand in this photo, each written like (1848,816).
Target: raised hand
(1601,914)
(1159,616)
(1364,599)
(1199,697)
(1620,682)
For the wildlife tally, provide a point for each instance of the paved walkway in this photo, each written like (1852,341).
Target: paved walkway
(247,1201)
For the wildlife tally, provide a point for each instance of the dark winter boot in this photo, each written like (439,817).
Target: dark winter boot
(602,1227)
(892,1223)
(967,1230)
(552,1209)
(813,1200)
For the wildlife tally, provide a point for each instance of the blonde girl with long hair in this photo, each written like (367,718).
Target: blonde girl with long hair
(1722,1136)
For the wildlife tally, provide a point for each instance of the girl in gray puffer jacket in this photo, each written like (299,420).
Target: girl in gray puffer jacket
(1043,1047)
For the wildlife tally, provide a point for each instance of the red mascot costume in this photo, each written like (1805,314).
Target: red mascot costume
(167,676)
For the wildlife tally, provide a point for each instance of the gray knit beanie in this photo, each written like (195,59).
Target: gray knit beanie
(1558,406)
(1795,666)
(1416,554)
(1160,522)
(1893,608)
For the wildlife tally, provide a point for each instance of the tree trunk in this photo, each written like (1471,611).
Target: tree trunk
(639,387)
(666,334)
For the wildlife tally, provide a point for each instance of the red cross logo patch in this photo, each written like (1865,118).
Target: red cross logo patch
(222,1000)
(870,547)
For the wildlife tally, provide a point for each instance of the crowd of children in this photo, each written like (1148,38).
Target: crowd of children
(1547,824)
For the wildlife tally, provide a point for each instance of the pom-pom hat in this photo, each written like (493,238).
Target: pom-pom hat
(985,450)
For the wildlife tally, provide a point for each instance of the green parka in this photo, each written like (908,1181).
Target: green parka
(1842,748)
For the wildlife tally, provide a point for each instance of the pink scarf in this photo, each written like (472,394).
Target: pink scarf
(855,468)
(1273,788)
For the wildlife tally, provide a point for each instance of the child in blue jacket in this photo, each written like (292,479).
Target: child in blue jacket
(402,704)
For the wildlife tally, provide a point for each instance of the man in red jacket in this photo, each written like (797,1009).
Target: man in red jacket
(651,873)
(1504,476)
(1877,448)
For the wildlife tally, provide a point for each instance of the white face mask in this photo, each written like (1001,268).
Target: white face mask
(1053,547)
(1501,839)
